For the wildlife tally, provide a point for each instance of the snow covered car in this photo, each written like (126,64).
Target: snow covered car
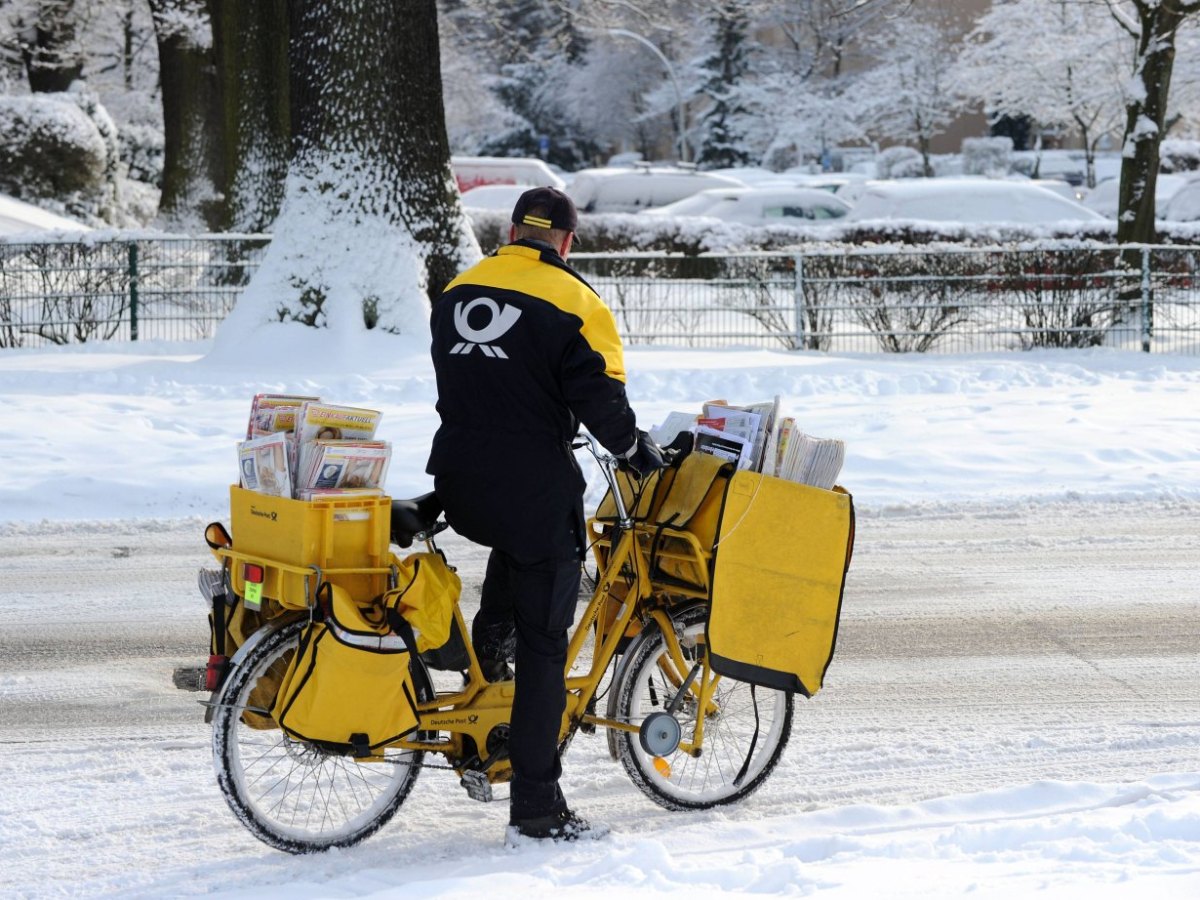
(1184,205)
(967,200)
(1105,197)
(759,206)
(473,171)
(18,217)
(632,190)
(493,196)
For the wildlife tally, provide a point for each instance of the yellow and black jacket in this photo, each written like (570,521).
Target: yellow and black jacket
(524,351)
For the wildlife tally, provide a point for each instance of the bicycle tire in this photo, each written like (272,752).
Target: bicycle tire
(292,795)
(748,730)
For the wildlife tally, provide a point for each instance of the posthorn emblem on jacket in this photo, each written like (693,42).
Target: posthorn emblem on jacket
(502,319)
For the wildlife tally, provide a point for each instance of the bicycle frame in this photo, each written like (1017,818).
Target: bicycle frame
(481,707)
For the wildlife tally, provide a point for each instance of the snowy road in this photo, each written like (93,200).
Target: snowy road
(981,648)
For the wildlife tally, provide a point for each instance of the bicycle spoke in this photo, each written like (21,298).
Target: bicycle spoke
(292,794)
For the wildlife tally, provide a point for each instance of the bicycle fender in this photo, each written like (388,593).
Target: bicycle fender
(273,625)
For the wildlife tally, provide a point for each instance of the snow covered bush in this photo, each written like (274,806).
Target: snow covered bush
(1065,299)
(49,148)
(63,151)
(899,162)
(990,156)
(631,233)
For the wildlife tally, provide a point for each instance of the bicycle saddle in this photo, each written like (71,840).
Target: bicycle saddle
(412,517)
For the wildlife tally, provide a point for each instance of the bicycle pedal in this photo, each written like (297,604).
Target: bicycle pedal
(477,785)
(189,678)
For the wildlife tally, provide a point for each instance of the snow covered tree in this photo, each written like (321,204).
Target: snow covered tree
(1154,25)
(722,142)
(801,88)
(370,224)
(910,94)
(536,45)
(1061,63)
(193,166)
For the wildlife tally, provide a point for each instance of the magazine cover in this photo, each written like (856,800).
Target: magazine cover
(274,412)
(263,465)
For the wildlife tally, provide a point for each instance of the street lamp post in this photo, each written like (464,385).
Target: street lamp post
(682,109)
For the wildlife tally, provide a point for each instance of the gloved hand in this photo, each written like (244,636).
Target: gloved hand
(644,457)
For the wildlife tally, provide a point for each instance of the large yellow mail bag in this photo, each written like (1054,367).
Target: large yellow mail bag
(779,569)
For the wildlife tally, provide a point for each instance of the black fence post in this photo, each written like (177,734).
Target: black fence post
(1147,302)
(133,291)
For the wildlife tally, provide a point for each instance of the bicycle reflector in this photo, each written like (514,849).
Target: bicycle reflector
(253,575)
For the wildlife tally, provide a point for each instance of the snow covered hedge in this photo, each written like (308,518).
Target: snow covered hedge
(625,233)
(49,147)
(63,152)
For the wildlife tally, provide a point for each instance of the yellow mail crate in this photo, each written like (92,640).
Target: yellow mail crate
(340,536)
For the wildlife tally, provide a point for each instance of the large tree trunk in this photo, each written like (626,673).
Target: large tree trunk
(49,47)
(1146,113)
(193,173)
(250,46)
(370,226)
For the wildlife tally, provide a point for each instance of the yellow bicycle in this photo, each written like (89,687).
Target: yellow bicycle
(687,737)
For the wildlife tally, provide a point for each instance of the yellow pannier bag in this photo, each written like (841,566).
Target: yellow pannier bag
(779,568)
(349,686)
(425,595)
(691,503)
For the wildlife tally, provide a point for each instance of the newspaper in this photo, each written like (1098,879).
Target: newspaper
(754,424)
(727,445)
(757,438)
(812,460)
(274,412)
(671,427)
(263,465)
(327,421)
(333,465)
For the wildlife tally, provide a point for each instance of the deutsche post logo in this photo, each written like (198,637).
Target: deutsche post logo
(501,319)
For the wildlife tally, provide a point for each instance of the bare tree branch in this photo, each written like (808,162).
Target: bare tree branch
(1126,21)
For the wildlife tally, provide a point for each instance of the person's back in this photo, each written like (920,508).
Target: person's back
(525,351)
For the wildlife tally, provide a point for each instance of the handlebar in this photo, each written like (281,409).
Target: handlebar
(673,454)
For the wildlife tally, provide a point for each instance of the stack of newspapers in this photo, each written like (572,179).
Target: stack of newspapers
(756,438)
(296,446)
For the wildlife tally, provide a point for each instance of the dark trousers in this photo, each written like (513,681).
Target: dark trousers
(526,609)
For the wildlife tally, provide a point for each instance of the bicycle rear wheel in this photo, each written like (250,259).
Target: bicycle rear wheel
(746,728)
(293,795)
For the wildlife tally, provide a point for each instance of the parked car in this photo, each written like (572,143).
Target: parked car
(493,196)
(18,217)
(1184,205)
(474,171)
(759,205)
(632,190)
(1105,197)
(967,200)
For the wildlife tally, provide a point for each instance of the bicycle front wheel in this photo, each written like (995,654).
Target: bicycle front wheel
(293,795)
(746,728)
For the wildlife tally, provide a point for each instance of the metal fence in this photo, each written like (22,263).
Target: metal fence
(849,300)
(914,300)
(148,288)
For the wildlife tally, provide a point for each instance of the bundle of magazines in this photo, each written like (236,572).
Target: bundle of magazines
(755,437)
(299,447)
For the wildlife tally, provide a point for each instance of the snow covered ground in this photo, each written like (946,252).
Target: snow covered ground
(1002,756)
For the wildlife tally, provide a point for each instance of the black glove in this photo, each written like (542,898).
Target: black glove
(645,456)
